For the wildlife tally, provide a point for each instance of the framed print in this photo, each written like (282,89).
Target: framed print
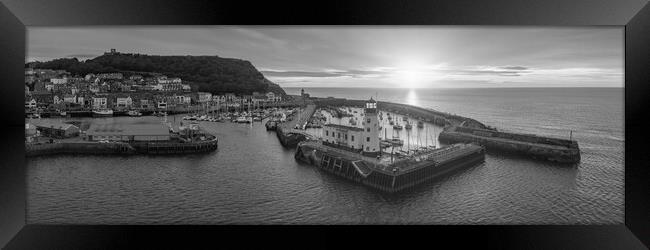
(159,122)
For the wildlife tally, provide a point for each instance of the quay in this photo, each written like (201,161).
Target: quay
(363,161)
(381,174)
(122,139)
(287,132)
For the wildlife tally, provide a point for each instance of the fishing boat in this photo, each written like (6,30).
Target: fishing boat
(102,113)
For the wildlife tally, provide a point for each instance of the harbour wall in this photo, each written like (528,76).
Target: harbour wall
(360,171)
(544,148)
(429,115)
(123,148)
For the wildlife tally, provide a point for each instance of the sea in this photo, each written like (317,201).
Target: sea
(252,179)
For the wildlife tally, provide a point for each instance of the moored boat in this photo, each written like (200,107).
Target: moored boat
(103,113)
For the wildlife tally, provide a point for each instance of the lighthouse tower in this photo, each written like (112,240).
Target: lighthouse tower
(371,129)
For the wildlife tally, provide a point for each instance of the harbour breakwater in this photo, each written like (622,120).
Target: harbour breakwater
(392,178)
(460,129)
(544,148)
(122,148)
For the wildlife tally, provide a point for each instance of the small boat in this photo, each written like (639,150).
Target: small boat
(134,113)
(397,127)
(408,126)
(102,113)
(257,119)
(420,124)
(63,113)
(242,119)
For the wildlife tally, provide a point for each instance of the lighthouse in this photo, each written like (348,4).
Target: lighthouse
(371,129)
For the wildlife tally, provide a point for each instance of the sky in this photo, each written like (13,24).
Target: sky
(370,56)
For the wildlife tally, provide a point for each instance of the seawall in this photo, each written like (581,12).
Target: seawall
(122,148)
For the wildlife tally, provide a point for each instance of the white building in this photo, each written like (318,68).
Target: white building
(124,102)
(162,105)
(70,98)
(272,97)
(63,80)
(100,103)
(341,135)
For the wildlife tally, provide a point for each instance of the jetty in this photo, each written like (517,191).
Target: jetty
(291,132)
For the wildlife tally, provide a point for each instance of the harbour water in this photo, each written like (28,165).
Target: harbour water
(252,179)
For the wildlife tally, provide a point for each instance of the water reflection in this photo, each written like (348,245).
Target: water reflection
(412,98)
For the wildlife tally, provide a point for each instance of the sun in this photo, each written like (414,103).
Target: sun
(410,77)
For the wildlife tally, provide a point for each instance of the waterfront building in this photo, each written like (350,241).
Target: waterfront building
(124,102)
(204,97)
(100,103)
(145,104)
(68,98)
(162,104)
(56,129)
(343,136)
(128,132)
(182,99)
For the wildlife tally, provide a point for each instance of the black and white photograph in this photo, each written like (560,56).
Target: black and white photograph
(343,125)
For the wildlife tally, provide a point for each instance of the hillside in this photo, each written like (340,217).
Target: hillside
(204,73)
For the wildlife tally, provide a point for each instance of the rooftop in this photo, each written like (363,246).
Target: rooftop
(51,124)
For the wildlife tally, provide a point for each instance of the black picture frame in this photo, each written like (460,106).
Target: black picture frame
(634,15)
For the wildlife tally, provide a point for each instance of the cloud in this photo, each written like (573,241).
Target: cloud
(514,67)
